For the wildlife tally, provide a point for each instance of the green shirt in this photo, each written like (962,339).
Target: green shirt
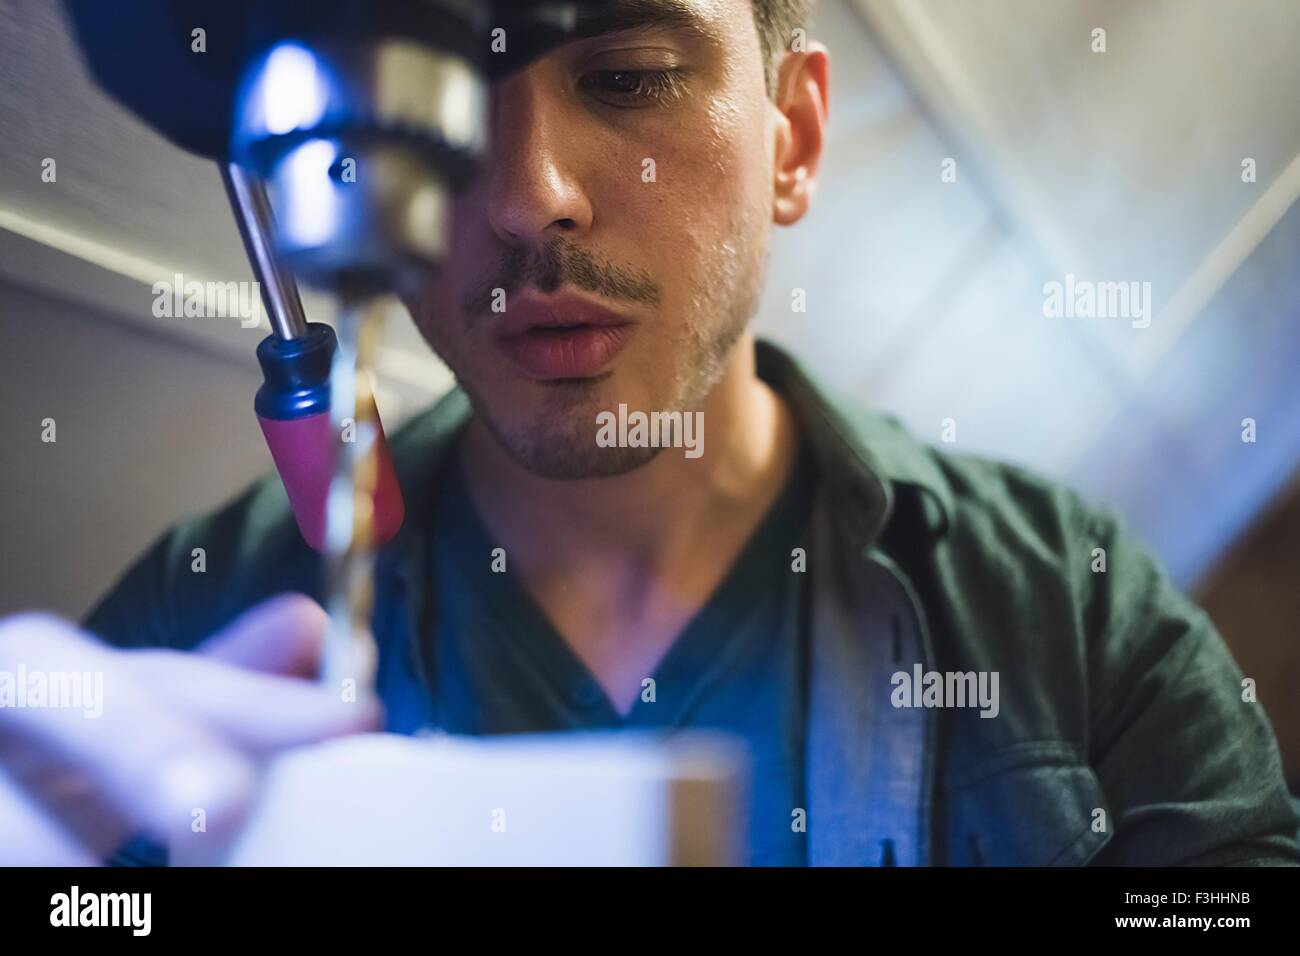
(737,666)
(1117,694)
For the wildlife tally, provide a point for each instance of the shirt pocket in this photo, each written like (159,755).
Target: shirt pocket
(1032,803)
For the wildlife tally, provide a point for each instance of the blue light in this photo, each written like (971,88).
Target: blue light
(292,89)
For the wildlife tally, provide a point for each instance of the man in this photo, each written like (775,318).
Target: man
(919,650)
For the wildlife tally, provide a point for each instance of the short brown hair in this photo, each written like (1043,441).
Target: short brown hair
(776,21)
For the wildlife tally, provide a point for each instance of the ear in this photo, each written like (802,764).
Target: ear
(802,89)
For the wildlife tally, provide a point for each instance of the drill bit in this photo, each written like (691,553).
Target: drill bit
(350,655)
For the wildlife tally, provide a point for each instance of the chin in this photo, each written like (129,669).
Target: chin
(569,452)
(552,432)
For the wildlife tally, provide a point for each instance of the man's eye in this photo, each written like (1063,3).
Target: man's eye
(634,87)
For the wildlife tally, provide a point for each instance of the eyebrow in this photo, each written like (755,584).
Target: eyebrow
(620,15)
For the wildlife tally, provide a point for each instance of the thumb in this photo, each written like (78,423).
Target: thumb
(282,635)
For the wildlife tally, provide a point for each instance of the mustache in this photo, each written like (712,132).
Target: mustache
(554,264)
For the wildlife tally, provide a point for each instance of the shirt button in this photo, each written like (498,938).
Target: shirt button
(587,694)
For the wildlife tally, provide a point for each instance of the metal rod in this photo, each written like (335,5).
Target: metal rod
(256,221)
(350,653)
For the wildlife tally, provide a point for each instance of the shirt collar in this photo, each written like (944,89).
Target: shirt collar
(866,462)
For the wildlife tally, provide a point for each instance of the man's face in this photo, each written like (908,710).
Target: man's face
(613,249)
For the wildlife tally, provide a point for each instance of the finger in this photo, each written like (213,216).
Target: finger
(256,712)
(282,635)
(30,837)
(120,764)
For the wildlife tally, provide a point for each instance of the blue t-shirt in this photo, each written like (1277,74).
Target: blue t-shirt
(738,665)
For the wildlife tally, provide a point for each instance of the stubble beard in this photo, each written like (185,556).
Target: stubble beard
(557,440)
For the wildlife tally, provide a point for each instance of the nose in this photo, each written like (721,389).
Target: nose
(532,178)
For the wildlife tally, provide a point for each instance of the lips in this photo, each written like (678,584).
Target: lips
(558,337)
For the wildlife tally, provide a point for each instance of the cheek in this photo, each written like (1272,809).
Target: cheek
(720,197)
(470,257)
(435,313)
(711,192)
(740,163)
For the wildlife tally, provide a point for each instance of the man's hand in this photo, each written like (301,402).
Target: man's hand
(176,733)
